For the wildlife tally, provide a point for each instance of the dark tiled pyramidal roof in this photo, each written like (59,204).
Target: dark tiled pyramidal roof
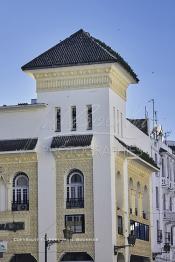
(78,49)
(141,124)
(18,144)
(71,141)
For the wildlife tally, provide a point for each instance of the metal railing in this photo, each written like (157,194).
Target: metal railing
(75,203)
(20,205)
(169,216)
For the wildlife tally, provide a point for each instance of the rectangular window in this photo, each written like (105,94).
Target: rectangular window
(121,120)
(163,168)
(159,232)
(118,122)
(58,119)
(167,237)
(164,202)
(168,169)
(114,120)
(141,231)
(89,117)
(120,225)
(172,242)
(74,118)
(76,223)
(157,197)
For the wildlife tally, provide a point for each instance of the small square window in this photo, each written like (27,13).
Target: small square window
(76,223)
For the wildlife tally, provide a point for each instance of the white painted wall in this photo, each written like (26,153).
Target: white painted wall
(41,123)
(135,137)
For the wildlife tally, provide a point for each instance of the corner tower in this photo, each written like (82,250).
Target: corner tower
(82,81)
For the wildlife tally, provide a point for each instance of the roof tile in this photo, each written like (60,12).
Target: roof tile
(78,49)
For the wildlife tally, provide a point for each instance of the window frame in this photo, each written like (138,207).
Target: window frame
(82,220)
(76,189)
(20,194)
(58,119)
(140,230)
(73,118)
(120,225)
(89,116)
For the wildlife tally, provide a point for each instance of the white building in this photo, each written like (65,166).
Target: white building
(71,158)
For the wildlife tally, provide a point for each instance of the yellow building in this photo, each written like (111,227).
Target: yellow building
(133,177)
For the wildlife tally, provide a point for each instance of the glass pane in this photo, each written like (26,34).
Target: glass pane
(80,192)
(22,181)
(76,178)
(73,195)
(19,195)
(25,195)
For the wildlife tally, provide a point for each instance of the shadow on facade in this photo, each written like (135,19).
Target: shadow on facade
(76,256)
(23,258)
(139,259)
(120,257)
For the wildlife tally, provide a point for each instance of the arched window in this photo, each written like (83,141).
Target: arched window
(137,198)
(3,195)
(131,196)
(20,192)
(145,202)
(119,189)
(75,189)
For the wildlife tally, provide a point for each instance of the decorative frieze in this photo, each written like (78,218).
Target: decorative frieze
(99,76)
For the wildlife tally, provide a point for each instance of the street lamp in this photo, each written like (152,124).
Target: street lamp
(48,243)
(131,242)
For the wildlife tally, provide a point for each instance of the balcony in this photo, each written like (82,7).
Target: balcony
(20,206)
(75,203)
(168,216)
(164,182)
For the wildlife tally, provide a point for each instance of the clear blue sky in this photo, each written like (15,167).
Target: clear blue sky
(142,31)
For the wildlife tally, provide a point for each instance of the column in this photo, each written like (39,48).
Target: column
(126,208)
(140,205)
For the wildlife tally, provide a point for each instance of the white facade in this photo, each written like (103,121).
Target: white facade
(163,201)
(104,87)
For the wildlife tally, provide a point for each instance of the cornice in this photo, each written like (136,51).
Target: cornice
(81,77)
(136,168)
(22,108)
(18,158)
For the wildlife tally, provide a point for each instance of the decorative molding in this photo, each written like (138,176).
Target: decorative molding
(18,158)
(92,76)
(73,83)
(21,108)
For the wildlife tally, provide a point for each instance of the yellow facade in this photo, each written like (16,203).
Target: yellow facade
(22,241)
(138,174)
(66,161)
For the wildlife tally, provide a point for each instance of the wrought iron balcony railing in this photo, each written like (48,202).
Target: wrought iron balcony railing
(75,203)
(169,216)
(20,205)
